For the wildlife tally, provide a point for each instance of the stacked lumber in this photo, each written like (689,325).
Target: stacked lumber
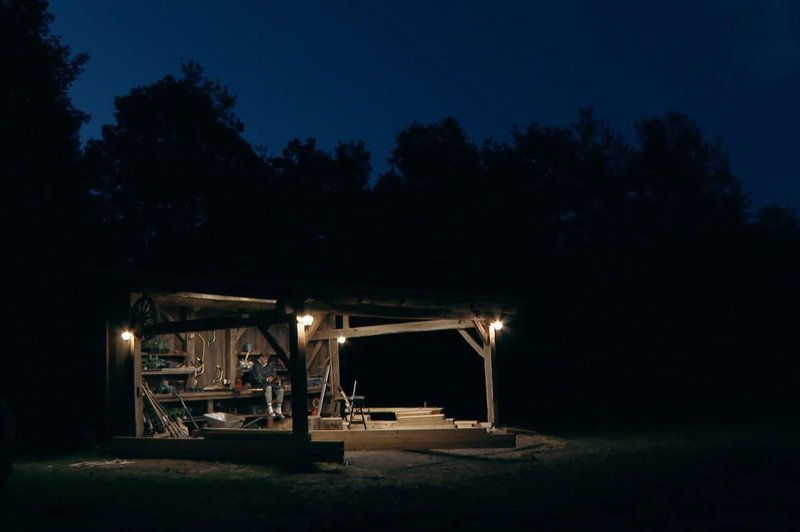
(399,417)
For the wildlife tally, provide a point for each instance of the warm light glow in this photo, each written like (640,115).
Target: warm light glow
(341,339)
(306,320)
(497,325)
(127,336)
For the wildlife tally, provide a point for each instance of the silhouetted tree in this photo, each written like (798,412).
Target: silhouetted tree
(434,157)
(778,220)
(642,277)
(40,127)
(428,196)
(771,288)
(38,134)
(44,235)
(320,196)
(683,183)
(178,182)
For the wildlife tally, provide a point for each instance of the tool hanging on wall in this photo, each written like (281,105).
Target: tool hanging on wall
(221,373)
(248,348)
(201,366)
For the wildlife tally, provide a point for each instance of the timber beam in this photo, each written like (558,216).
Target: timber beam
(375,330)
(250,319)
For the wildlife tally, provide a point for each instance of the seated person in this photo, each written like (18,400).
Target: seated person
(266,374)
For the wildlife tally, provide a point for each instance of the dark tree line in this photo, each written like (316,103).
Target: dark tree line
(646,277)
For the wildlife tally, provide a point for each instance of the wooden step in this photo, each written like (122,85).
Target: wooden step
(418,412)
(405,410)
(436,419)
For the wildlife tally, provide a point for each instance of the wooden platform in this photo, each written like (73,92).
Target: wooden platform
(396,428)
(383,439)
(269,448)
(417,438)
(281,447)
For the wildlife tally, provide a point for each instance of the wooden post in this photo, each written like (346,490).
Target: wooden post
(119,414)
(489,360)
(298,373)
(124,405)
(231,357)
(336,376)
(138,399)
(191,343)
(107,433)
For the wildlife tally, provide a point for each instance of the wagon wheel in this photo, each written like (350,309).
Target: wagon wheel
(143,317)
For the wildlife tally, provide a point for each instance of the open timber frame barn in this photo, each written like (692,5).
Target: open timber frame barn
(207,330)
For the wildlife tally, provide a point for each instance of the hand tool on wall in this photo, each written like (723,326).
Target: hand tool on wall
(201,366)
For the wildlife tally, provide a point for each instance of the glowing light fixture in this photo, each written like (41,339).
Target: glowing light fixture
(497,325)
(127,335)
(341,339)
(306,319)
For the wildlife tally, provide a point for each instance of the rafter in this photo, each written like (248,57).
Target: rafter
(375,330)
(471,341)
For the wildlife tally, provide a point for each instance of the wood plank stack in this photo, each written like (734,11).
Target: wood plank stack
(406,418)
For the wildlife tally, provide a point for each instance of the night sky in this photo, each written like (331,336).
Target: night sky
(348,70)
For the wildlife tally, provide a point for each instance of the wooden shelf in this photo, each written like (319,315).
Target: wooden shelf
(203,396)
(168,371)
(225,394)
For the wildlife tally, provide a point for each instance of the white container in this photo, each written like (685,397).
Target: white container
(223,420)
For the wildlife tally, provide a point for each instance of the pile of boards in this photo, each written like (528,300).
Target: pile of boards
(400,417)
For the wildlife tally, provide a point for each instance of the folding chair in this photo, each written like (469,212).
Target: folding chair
(354,406)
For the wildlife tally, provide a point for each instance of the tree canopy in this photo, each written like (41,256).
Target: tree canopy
(39,130)
(643,271)
(174,172)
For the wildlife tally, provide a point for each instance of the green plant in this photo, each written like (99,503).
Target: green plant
(156,344)
(151,361)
